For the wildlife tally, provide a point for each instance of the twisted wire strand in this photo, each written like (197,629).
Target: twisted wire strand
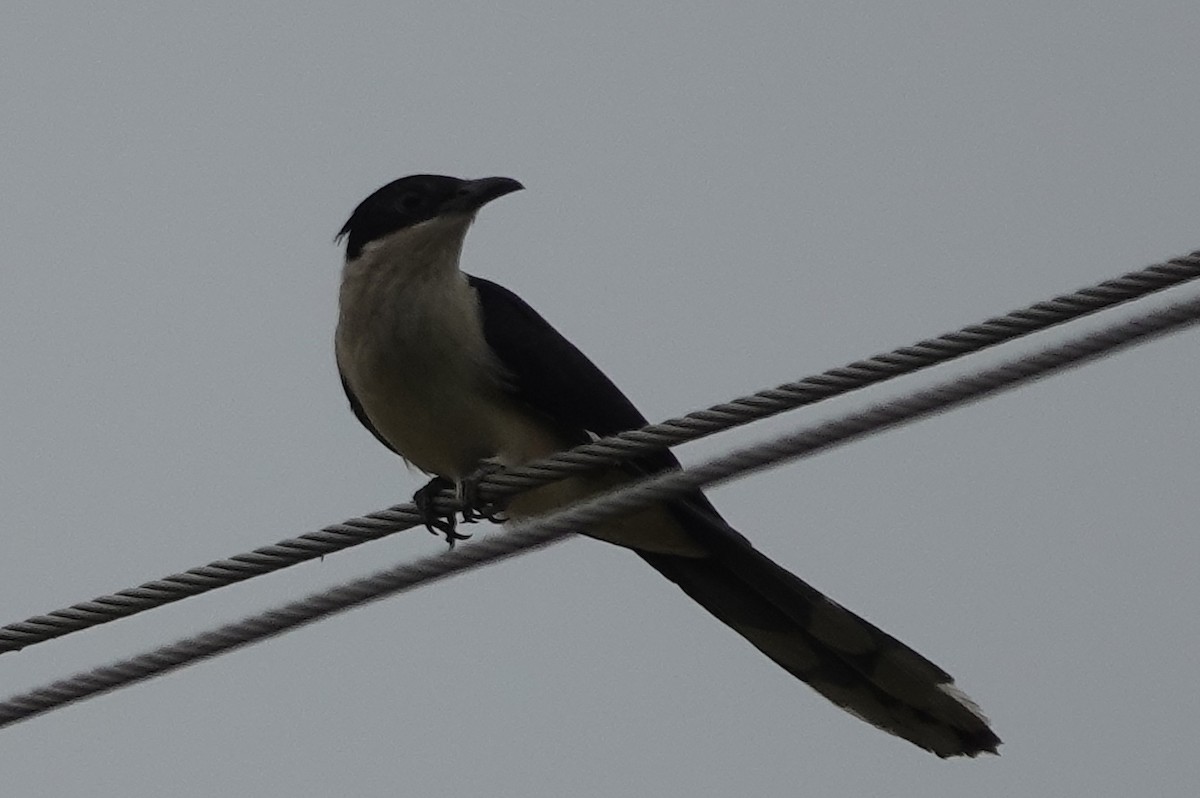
(541,532)
(851,377)
(606,451)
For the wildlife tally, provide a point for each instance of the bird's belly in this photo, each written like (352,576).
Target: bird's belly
(448,429)
(447,424)
(436,428)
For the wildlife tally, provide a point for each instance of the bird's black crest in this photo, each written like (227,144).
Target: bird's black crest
(414,199)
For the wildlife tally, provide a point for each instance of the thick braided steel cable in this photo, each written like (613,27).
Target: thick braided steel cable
(605,451)
(851,377)
(543,531)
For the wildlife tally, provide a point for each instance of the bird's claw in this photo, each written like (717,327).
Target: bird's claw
(445,525)
(475,507)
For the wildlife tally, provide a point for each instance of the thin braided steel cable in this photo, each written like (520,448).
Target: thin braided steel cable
(541,532)
(828,384)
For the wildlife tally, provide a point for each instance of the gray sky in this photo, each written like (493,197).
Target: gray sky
(721,197)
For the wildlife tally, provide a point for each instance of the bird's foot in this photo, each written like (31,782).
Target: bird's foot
(475,507)
(438,523)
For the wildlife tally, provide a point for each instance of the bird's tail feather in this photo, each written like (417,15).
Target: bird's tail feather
(848,660)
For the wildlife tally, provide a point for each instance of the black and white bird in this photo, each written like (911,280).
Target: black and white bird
(451,371)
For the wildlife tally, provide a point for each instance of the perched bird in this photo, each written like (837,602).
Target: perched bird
(451,371)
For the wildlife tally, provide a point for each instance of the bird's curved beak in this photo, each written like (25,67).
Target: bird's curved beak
(474,194)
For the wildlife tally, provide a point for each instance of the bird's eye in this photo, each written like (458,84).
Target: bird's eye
(411,202)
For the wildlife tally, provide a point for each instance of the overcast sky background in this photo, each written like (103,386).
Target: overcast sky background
(721,197)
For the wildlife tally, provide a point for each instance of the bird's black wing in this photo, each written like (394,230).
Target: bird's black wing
(549,374)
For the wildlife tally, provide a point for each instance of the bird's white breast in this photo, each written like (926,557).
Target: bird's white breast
(410,344)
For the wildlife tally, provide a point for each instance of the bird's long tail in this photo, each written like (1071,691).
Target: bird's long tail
(851,662)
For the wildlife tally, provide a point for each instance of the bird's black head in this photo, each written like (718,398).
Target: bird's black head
(418,198)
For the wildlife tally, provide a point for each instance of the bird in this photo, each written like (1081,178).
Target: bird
(454,372)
